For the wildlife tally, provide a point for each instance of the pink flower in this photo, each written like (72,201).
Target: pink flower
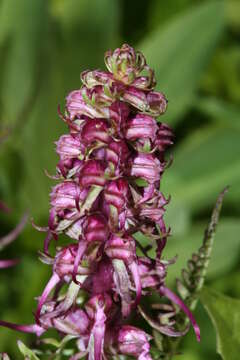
(110,168)
(147,167)
(164,137)
(96,77)
(134,342)
(65,196)
(151,103)
(141,127)
(94,131)
(92,173)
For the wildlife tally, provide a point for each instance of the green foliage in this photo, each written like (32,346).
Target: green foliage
(180,51)
(224,312)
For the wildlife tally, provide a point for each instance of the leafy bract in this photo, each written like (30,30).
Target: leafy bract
(224,312)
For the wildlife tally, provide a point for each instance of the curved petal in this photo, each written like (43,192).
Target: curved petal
(47,240)
(8,263)
(10,237)
(137,281)
(96,341)
(164,329)
(122,283)
(34,328)
(50,285)
(80,251)
(174,298)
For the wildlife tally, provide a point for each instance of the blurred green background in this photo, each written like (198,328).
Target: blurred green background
(194,47)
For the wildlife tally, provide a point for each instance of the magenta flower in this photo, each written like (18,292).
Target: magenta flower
(133,341)
(110,170)
(141,127)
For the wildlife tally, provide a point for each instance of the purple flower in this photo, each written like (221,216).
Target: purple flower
(65,196)
(96,77)
(95,228)
(92,173)
(63,263)
(134,342)
(117,154)
(141,127)
(110,168)
(116,197)
(154,208)
(94,131)
(151,103)
(164,137)
(126,65)
(147,167)
(69,147)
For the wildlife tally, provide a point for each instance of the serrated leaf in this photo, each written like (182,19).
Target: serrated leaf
(180,51)
(224,312)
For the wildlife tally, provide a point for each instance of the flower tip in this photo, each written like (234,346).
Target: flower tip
(197,332)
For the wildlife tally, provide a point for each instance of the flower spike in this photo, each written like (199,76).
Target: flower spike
(110,168)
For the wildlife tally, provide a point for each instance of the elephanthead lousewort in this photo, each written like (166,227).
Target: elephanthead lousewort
(108,195)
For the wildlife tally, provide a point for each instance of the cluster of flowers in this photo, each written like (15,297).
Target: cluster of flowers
(110,168)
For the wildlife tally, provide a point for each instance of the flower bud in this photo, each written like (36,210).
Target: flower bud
(145,82)
(125,64)
(157,103)
(96,77)
(99,97)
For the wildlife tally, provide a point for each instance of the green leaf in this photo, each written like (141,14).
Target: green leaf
(27,21)
(204,163)
(68,53)
(28,353)
(225,315)
(180,51)
(223,112)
